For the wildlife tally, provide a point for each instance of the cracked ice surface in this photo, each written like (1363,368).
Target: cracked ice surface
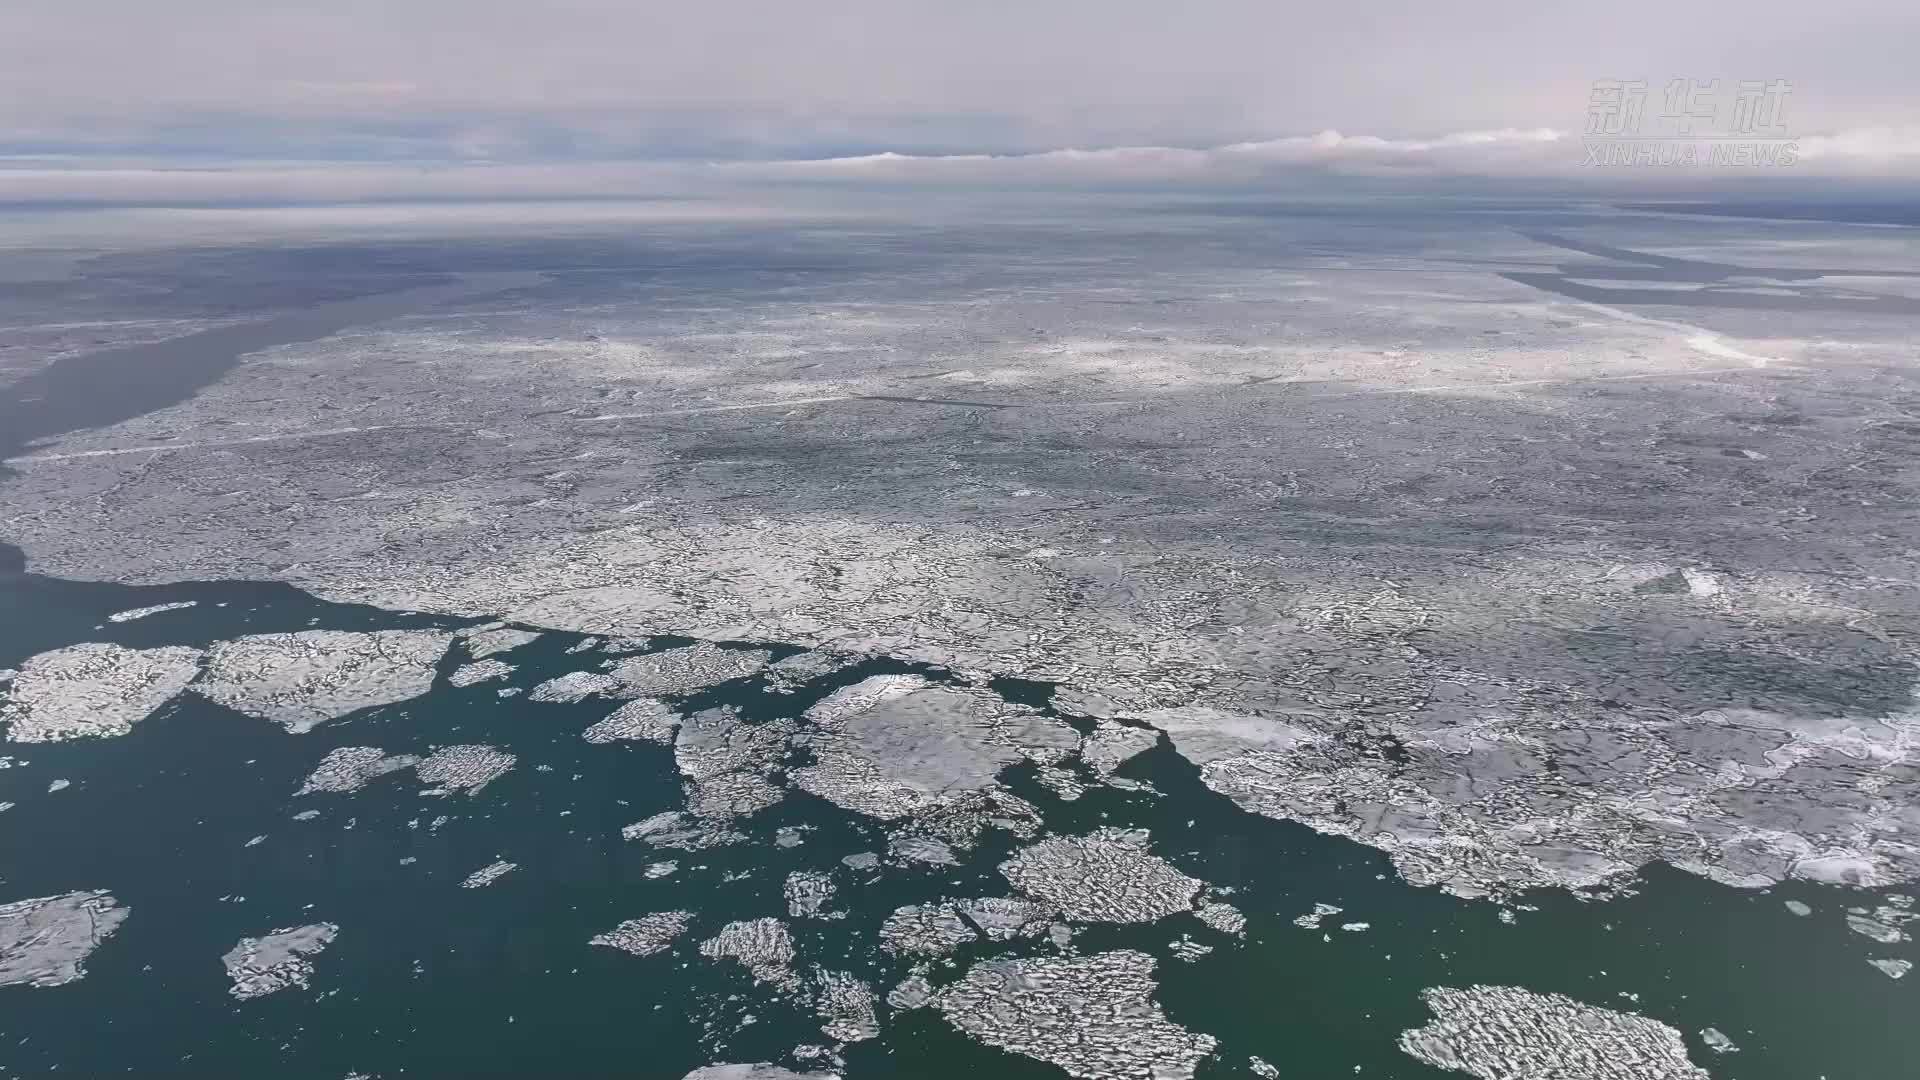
(681,671)
(264,965)
(845,1006)
(484,643)
(1744,798)
(763,1071)
(479,672)
(488,874)
(641,720)
(646,935)
(807,892)
(46,941)
(302,680)
(729,763)
(762,946)
(673,829)
(925,930)
(1093,1016)
(892,746)
(349,768)
(1506,1033)
(465,768)
(1106,876)
(93,690)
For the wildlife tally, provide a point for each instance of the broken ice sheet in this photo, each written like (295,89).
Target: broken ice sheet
(1507,1033)
(1222,916)
(845,1006)
(484,642)
(672,829)
(575,686)
(302,680)
(1893,969)
(807,892)
(729,763)
(349,768)
(681,671)
(93,690)
(640,720)
(488,874)
(45,941)
(1109,875)
(646,935)
(466,768)
(762,946)
(1093,1016)
(152,609)
(760,1071)
(265,965)
(925,930)
(479,672)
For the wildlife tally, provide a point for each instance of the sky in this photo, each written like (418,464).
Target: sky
(1073,90)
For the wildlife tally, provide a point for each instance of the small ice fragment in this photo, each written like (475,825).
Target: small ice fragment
(152,609)
(1893,969)
(1717,1041)
(58,785)
(265,965)
(1799,908)
(646,935)
(665,868)
(488,874)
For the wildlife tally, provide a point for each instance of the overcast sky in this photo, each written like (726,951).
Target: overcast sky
(564,80)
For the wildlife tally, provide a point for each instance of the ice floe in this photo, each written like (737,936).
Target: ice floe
(152,609)
(93,690)
(1507,1033)
(762,946)
(488,874)
(303,680)
(275,961)
(464,768)
(45,941)
(646,935)
(1093,1016)
(349,768)
(479,672)
(641,720)
(1109,875)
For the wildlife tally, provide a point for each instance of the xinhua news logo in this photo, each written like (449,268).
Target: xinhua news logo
(1693,123)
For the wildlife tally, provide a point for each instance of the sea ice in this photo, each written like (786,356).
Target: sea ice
(464,768)
(1108,875)
(264,965)
(349,768)
(302,680)
(1093,1016)
(93,690)
(646,935)
(1507,1033)
(45,941)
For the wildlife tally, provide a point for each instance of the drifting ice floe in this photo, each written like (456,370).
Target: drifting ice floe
(1506,1033)
(264,965)
(1113,744)
(925,930)
(302,680)
(760,1071)
(672,829)
(488,874)
(894,745)
(484,643)
(479,672)
(93,690)
(762,946)
(1003,918)
(646,935)
(1893,969)
(807,892)
(153,609)
(575,686)
(45,941)
(1093,1016)
(1222,916)
(642,720)
(465,768)
(349,768)
(728,763)
(677,672)
(1106,876)
(845,1006)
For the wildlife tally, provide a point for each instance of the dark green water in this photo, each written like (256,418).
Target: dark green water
(427,979)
